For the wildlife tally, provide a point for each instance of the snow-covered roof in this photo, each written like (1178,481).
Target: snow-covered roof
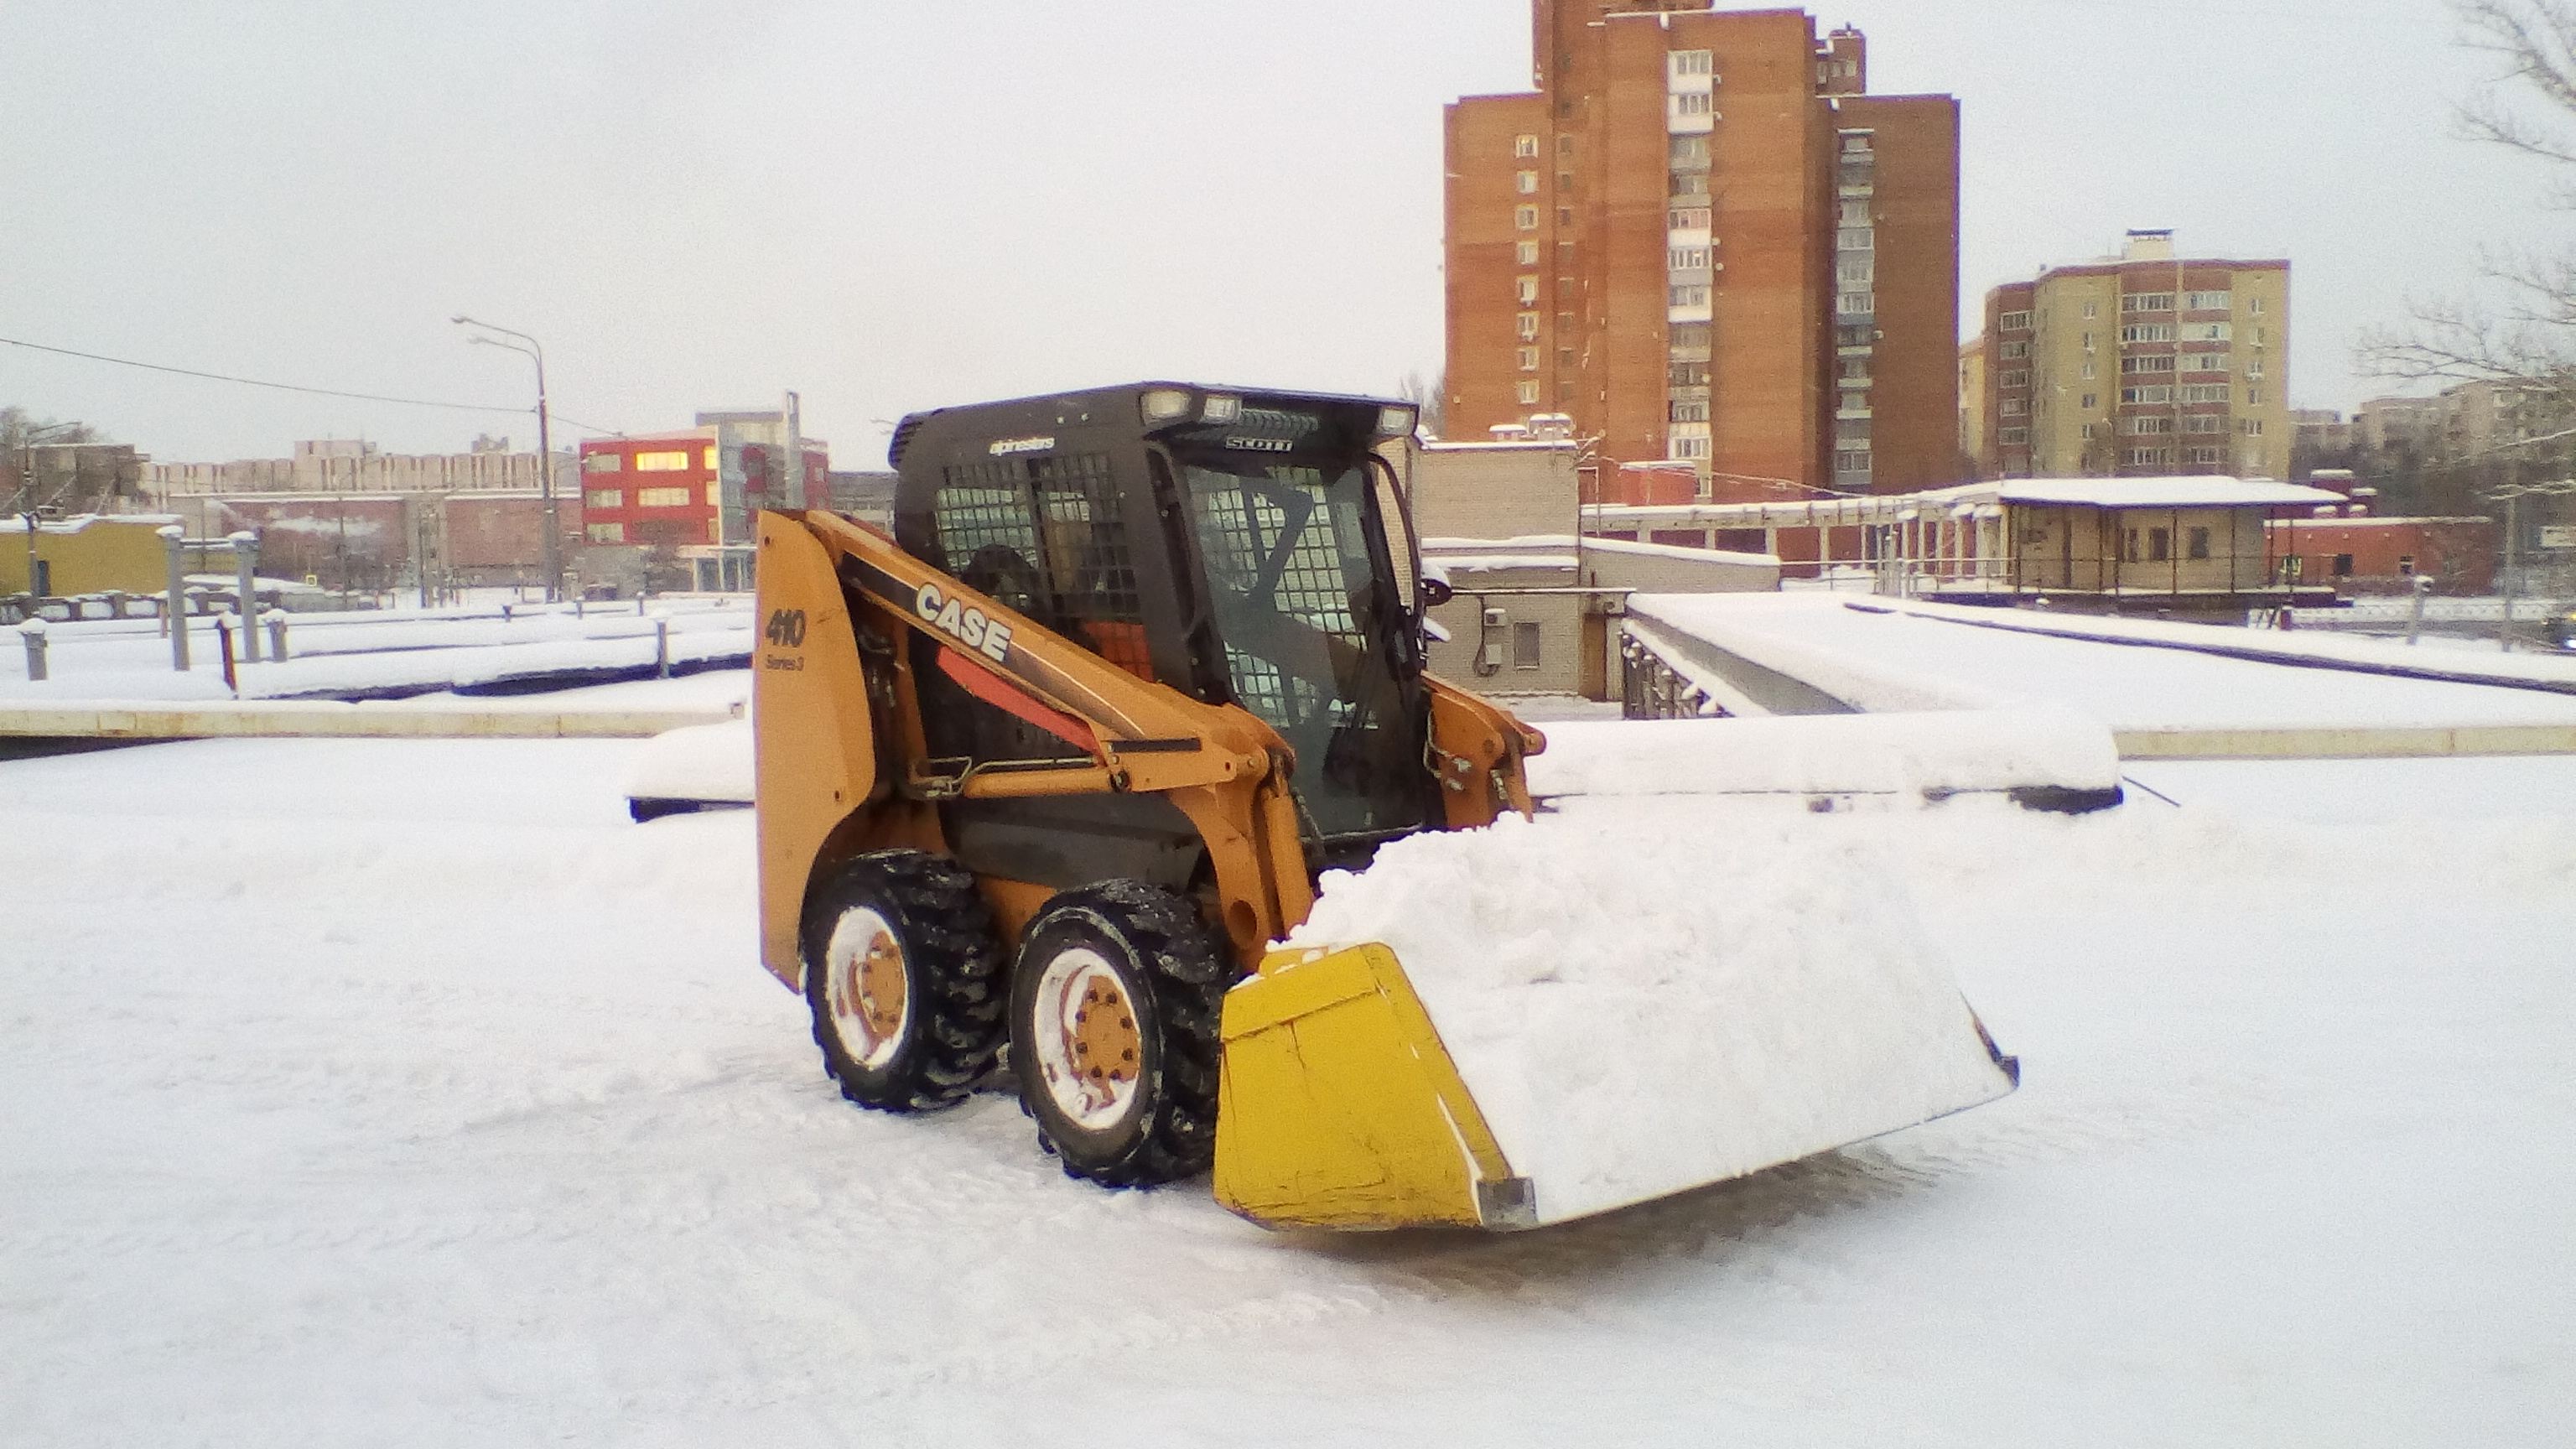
(1689,552)
(2162,492)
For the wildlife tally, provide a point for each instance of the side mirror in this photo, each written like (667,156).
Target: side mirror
(1435,592)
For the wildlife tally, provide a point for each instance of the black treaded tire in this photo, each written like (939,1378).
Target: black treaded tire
(953,990)
(1173,968)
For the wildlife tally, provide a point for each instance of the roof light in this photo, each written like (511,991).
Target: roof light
(1221,409)
(1395,422)
(1165,405)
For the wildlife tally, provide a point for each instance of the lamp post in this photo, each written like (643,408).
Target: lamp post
(545,446)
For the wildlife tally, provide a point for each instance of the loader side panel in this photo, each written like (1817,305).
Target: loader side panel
(814,746)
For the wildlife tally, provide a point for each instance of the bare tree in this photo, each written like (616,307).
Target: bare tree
(2522,329)
(1428,395)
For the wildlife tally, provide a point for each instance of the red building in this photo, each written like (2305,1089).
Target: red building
(2382,555)
(671,490)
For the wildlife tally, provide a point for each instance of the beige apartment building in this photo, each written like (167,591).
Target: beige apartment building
(2151,365)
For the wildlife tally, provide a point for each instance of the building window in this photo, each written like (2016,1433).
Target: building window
(2406,563)
(2205,392)
(2092,400)
(2140,427)
(1692,295)
(2088,369)
(2018,377)
(2196,541)
(1528,392)
(1851,460)
(662,462)
(2015,351)
(2253,396)
(1861,273)
(1527,288)
(2252,427)
(2204,332)
(2159,545)
(2085,432)
(1526,182)
(2148,332)
(1692,62)
(1690,411)
(2161,363)
(1690,447)
(603,463)
(2011,407)
(2343,566)
(1686,259)
(2016,322)
(1687,374)
(607,532)
(1526,253)
(1691,103)
(1855,239)
(1524,147)
(2206,301)
(2088,342)
(2254,305)
(2204,362)
(2205,423)
(1529,359)
(2253,367)
(662,498)
(1565,216)
(2210,457)
(1857,304)
(2133,395)
(1529,326)
(2014,437)
(715,496)
(1565,181)
(1526,218)
(1525,646)
(2147,302)
(2091,310)
(1688,218)
(1565,145)
(1855,213)
(2147,458)
(604,498)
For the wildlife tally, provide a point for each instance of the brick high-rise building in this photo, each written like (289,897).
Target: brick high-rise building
(1703,243)
(2146,366)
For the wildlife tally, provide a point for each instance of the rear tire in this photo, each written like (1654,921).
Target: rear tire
(1114,1011)
(904,979)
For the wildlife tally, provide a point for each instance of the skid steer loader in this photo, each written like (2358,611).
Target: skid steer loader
(1043,776)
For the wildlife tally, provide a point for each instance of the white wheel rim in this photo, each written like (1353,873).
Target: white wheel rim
(865,986)
(1088,1047)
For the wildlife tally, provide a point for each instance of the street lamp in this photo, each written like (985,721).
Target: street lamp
(545,446)
(27,509)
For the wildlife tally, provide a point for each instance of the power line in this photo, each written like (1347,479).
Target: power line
(412,402)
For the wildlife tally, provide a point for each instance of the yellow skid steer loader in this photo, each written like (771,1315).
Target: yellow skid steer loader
(1043,776)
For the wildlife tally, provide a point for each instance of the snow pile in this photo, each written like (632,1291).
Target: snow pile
(1929,754)
(696,762)
(1646,998)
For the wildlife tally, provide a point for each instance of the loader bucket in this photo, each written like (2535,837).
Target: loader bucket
(1522,1025)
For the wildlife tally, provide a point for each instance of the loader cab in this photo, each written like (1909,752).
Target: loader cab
(1231,544)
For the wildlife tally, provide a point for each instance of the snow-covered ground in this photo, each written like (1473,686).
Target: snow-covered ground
(402,1092)
(1921,656)
(387,650)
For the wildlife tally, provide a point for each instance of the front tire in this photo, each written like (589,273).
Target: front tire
(904,979)
(1114,1011)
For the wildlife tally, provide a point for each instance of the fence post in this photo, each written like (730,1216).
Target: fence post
(33,632)
(246,591)
(175,608)
(2415,614)
(662,648)
(275,619)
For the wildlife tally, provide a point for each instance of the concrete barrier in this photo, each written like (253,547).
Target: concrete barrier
(296,719)
(2344,742)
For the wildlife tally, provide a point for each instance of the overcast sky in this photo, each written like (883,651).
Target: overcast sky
(889,206)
